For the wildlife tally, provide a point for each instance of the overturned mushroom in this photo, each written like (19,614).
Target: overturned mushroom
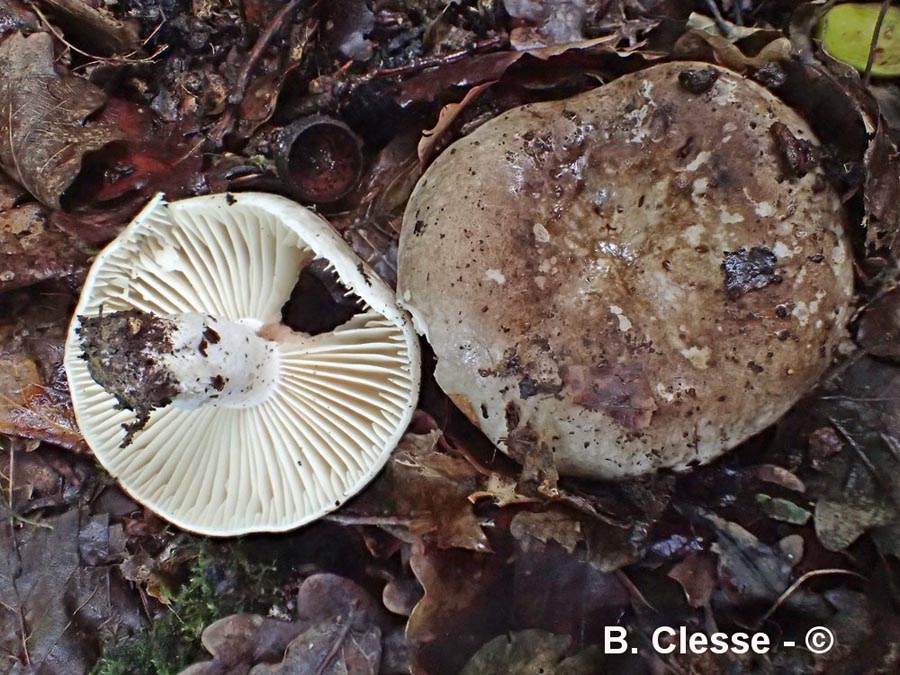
(639,277)
(192,393)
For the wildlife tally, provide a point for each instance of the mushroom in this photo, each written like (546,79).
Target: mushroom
(206,408)
(639,277)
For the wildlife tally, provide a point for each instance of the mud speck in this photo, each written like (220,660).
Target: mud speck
(797,156)
(697,81)
(621,391)
(747,271)
(122,351)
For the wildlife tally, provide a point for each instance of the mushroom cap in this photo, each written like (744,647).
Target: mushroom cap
(568,263)
(341,401)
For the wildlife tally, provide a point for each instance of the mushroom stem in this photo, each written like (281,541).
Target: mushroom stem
(148,361)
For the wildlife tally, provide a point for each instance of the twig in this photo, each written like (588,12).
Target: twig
(67,626)
(223,126)
(867,75)
(126,58)
(380,521)
(433,61)
(323,666)
(721,23)
(864,458)
(794,586)
(633,590)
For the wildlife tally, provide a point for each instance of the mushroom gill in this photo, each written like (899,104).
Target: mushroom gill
(191,392)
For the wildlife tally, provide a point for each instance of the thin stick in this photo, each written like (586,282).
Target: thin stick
(721,23)
(226,121)
(126,58)
(794,586)
(867,75)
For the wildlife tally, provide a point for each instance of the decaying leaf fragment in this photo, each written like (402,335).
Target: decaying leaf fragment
(44,135)
(31,249)
(61,595)
(430,489)
(338,631)
(532,652)
(34,394)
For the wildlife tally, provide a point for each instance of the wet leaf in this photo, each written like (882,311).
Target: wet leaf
(432,137)
(531,652)
(783,509)
(31,250)
(490,67)
(60,593)
(430,490)
(553,22)
(697,576)
(879,327)
(44,135)
(34,393)
(547,526)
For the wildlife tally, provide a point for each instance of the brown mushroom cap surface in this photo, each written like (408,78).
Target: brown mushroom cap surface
(641,276)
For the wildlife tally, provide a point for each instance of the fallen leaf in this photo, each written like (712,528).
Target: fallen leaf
(857,487)
(44,133)
(94,28)
(61,595)
(782,509)
(879,327)
(777,475)
(696,44)
(552,22)
(547,526)
(432,137)
(429,490)
(882,192)
(338,631)
(34,392)
(455,616)
(31,250)
(241,641)
(334,647)
(502,490)
(490,67)
(697,576)
(752,574)
(531,652)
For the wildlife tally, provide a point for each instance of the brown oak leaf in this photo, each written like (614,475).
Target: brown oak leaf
(44,135)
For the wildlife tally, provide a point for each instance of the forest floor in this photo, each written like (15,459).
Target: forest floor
(451,560)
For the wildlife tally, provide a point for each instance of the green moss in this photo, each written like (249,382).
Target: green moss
(220,581)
